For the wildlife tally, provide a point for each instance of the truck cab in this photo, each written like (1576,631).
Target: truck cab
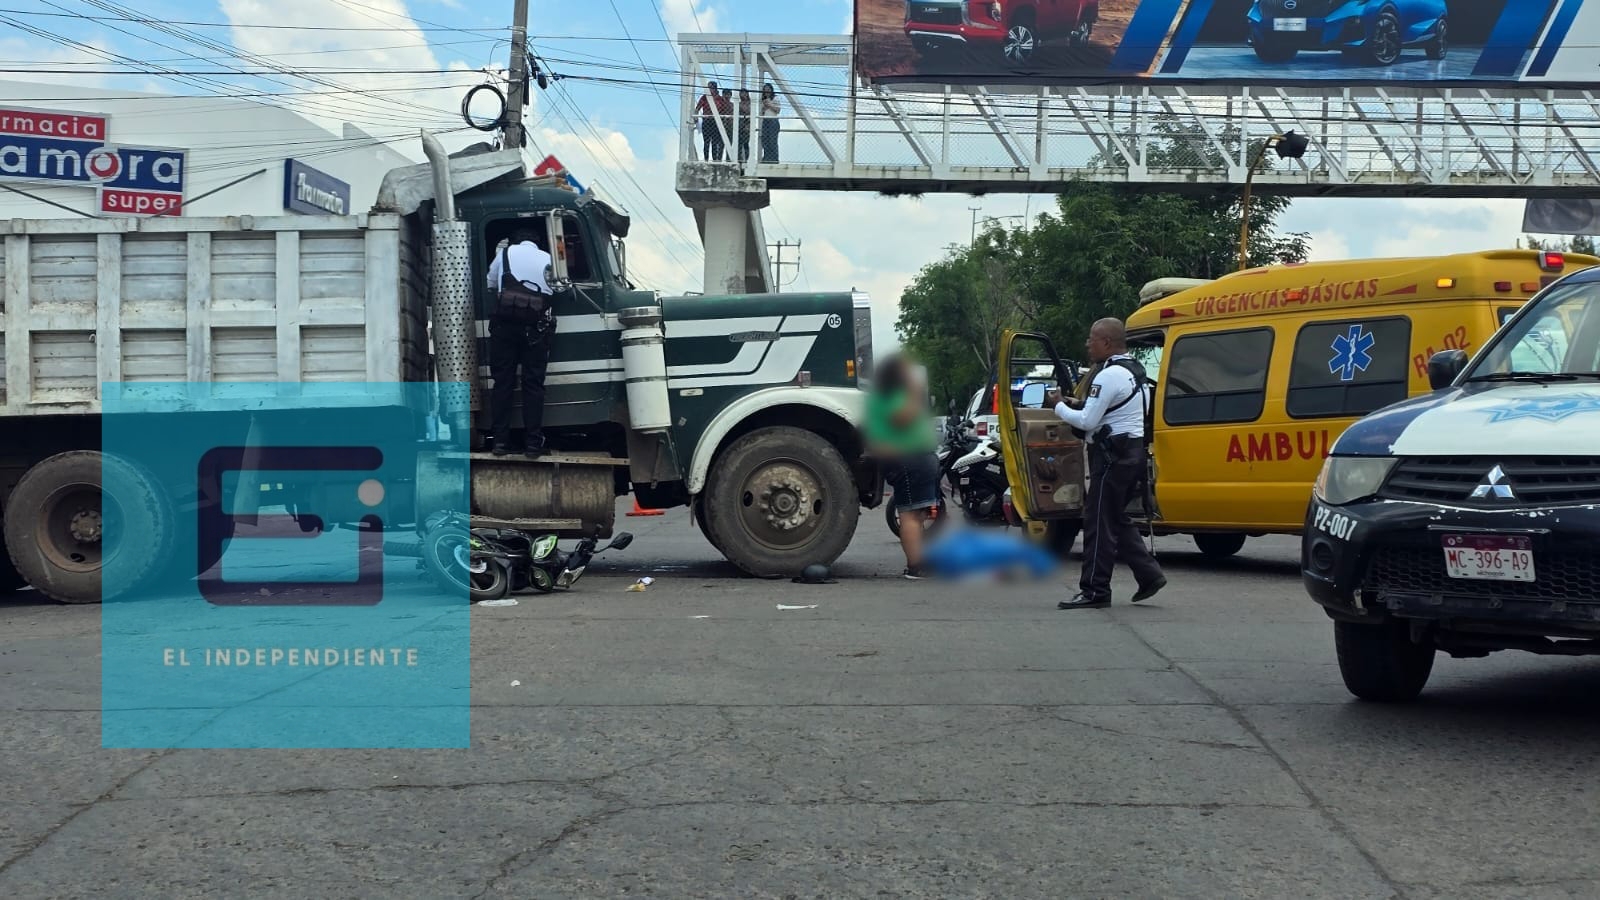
(754,400)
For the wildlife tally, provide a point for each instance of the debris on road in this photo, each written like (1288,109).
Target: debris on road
(699,617)
(812,606)
(503,601)
(516,684)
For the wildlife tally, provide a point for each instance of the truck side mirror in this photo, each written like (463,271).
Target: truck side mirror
(1033,395)
(1444,366)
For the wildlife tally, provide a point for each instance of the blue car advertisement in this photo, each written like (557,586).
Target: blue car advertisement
(1347,42)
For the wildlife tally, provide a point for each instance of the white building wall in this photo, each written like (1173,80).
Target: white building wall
(225,139)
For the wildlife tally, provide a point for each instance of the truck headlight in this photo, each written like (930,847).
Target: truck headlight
(1346,479)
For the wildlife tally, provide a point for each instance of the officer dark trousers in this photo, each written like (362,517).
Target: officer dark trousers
(1107,531)
(513,345)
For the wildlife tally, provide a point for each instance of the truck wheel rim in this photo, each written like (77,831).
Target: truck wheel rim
(782,504)
(72,524)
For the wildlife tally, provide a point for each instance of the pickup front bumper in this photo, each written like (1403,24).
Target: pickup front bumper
(1385,559)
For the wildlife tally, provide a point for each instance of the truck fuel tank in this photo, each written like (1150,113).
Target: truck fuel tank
(644,365)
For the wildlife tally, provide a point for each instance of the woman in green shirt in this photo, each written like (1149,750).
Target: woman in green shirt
(899,432)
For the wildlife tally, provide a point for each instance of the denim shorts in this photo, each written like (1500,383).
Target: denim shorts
(915,480)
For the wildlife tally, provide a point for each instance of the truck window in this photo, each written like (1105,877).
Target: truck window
(580,259)
(1349,368)
(1219,377)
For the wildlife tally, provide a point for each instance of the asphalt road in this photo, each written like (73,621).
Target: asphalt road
(899,740)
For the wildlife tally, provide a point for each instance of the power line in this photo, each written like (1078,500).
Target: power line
(636,52)
(193,24)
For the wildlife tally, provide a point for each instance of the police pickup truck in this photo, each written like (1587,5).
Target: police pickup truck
(1467,520)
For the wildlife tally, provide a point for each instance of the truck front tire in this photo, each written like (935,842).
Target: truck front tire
(73,512)
(780,499)
(1381,662)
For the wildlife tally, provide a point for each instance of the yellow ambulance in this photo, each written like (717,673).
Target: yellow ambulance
(1257,374)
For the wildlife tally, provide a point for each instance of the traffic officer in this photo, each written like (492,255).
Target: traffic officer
(1113,419)
(519,337)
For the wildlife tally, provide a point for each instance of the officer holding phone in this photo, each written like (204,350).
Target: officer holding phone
(1113,418)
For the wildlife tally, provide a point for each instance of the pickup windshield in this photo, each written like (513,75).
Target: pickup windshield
(1557,339)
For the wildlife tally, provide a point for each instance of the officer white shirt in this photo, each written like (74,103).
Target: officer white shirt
(528,265)
(1111,386)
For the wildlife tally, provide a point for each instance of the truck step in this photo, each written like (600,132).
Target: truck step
(565,459)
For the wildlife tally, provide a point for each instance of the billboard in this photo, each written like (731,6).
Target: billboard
(1343,42)
(69,148)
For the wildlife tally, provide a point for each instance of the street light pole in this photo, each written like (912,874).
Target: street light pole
(1289,146)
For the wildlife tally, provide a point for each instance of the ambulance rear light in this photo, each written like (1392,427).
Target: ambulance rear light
(1551,261)
(1503,287)
(1529,287)
(1295,296)
(1445,283)
(1169,313)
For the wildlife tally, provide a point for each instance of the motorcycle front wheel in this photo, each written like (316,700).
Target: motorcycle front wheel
(930,524)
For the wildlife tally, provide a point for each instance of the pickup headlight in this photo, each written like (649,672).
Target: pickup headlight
(1346,479)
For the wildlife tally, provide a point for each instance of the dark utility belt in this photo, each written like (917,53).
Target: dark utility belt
(1116,444)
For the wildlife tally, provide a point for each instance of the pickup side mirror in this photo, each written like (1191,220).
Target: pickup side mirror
(1033,395)
(1444,366)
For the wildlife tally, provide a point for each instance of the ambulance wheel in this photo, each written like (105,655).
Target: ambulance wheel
(780,499)
(1060,536)
(1381,662)
(1219,546)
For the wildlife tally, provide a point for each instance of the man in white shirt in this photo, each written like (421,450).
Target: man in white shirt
(519,337)
(1113,419)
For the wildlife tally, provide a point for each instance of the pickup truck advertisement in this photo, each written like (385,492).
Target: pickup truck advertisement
(1389,42)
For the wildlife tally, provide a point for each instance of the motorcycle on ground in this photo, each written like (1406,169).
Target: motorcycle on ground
(492,562)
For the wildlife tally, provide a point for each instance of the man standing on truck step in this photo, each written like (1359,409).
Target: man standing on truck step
(1113,417)
(520,324)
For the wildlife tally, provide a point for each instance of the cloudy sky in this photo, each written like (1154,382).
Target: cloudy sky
(413,59)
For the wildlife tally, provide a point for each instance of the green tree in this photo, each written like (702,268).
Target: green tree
(1578,243)
(1084,261)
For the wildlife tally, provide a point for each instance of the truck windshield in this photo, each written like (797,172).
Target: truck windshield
(1559,337)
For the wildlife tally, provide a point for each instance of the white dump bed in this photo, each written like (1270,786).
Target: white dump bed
(214,300)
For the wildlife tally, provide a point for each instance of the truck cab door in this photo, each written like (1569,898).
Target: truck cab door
(1044,460)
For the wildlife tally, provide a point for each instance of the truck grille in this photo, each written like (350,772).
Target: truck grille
(1533,481)
(1565,576)
(936,14)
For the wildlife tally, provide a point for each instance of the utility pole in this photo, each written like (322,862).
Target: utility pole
(975,210)
(518,94)
(778,263)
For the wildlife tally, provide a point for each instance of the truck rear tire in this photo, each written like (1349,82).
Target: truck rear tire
(1380,662)
(780,499)
(59,513)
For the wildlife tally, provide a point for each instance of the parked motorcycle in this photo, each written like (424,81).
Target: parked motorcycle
(979,480)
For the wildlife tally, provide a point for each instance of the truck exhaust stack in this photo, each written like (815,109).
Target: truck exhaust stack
(454,325)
